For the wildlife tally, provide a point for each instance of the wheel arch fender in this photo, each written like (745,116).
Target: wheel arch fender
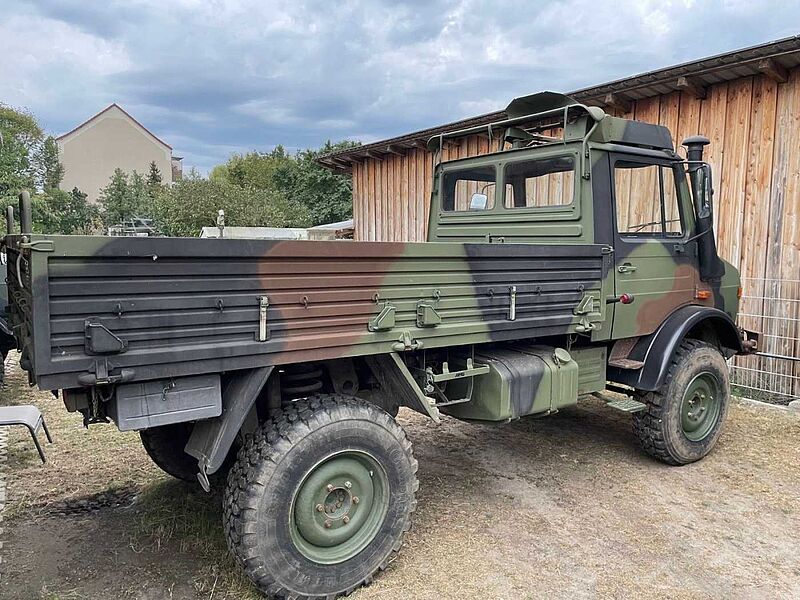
(657,349)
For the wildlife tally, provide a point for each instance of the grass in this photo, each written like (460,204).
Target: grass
(172,515)
(519,511)
(169,516)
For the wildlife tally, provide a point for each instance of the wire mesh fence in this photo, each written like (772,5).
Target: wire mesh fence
(772,308)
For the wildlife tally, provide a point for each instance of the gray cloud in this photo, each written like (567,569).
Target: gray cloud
(214,77)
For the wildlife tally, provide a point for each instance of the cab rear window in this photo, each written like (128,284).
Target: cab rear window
(469,189)
(540,183)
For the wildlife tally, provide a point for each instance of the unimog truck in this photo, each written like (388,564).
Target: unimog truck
(577,258)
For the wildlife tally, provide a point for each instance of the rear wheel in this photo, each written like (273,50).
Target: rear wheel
(684,418)
(320,498)
(165,446)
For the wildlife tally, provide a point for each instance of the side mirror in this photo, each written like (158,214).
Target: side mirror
(706,192)
(478,202)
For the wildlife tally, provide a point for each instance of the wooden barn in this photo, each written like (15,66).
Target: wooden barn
(747,102)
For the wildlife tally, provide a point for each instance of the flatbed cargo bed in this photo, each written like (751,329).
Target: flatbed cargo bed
(188,306)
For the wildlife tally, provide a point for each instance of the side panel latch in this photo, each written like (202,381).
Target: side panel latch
(427,316)
(263,330)
(385,319)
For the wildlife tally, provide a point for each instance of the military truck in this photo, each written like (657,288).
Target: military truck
(578,257)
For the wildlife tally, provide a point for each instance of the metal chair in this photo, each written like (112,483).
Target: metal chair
(31,417)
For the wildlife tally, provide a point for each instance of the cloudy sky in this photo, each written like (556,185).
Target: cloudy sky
(213,77)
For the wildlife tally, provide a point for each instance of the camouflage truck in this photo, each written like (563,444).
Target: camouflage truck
(275,369)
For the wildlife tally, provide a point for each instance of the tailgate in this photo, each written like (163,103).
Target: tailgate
(145,308)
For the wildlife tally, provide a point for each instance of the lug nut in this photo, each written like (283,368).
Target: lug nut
(320,508)
(356,500)
(348,485)
(329,487)
(346,520)
(327,524)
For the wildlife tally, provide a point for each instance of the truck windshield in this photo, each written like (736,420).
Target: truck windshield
(469,189)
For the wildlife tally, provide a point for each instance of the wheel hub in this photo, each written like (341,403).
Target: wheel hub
(339,506)
(700,407)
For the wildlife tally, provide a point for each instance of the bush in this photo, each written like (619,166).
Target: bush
(60,212)
(327,196)
(187,206)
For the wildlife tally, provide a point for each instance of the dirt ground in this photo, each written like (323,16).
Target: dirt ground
(562,507)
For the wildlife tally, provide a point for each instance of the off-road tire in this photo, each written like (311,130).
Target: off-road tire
(165,444)
(276,463)
(659,428)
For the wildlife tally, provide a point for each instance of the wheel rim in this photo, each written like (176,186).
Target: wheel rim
(700,406)
(339,507)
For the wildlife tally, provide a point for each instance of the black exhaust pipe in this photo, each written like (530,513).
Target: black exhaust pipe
(25,213)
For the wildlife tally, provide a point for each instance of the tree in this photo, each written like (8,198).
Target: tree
(254,169)
(29,160)
(154,174)
(52,169)
(192,203)
(21,140)
(326,195)
(154,181)
(125,197)
(82,217)
(60,212)
(140,198)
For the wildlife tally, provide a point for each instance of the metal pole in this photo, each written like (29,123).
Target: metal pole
(780,356)
(9,219)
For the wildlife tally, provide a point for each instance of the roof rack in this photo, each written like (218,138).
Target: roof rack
(535,108)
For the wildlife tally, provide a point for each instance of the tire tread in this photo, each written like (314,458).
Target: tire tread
(647,424)
(260,455)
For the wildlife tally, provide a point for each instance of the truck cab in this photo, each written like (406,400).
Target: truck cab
(597,179)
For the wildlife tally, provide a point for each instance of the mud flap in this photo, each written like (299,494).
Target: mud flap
(395,377)
(211,439)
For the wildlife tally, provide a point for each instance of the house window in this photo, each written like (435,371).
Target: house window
(647,200)
(540,183)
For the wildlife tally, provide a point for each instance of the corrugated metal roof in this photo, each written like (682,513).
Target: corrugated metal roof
(772,58)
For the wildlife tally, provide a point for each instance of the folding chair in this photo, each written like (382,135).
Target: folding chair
(27,415)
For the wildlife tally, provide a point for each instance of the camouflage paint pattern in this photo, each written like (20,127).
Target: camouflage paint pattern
(187,306)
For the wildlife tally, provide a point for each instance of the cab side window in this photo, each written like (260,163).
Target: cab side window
(647,200)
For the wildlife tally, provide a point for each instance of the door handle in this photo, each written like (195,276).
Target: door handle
(626,268)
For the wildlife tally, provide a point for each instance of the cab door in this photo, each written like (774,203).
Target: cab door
(650,262)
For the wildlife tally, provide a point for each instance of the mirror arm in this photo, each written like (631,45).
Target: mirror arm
(680,246)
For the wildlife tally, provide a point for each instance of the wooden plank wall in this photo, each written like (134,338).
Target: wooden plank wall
(754,127)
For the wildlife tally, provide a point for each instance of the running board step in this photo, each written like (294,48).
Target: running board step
(628,405)
(449,402)
(625,363)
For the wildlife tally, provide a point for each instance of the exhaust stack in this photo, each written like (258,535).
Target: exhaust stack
(711,266)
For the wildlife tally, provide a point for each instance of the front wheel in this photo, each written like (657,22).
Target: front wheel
(684,418)
(320,497)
